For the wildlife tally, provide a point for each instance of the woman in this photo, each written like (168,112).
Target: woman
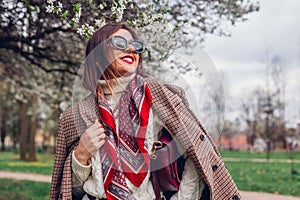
(104,142)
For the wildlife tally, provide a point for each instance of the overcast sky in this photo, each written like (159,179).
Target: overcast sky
(243,56)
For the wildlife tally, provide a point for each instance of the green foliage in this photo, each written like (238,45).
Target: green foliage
(65,15)
(268,177)
(273,155)
(265,177)
(10,162)
(25,190)
(76,7)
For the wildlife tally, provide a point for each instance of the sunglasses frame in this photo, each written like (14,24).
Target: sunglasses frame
(127,44)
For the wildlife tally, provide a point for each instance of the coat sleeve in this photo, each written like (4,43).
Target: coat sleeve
(80,174)
(171,105)
(67,140)
(60,158)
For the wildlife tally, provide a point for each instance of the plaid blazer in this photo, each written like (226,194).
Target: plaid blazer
(171,105)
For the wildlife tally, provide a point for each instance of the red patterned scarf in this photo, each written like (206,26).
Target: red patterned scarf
(125,155)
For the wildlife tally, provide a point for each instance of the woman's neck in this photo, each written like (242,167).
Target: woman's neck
(118,84)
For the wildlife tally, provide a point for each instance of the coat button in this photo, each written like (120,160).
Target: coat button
(202,137)
(215,167)
(235,197)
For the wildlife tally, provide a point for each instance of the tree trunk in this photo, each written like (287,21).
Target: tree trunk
(33,121)
(2,128)
(16,129)
(3,134)
(267,130)
(24,130)
(254,131)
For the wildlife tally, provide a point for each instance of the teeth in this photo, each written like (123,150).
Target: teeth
(127,59)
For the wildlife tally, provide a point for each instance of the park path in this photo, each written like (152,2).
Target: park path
(45,178)
(265,196)
(25,176)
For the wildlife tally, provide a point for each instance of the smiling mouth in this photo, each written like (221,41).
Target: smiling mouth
(128,59)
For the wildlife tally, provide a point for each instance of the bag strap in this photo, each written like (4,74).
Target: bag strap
(153,177)
(163,137)
(155,185)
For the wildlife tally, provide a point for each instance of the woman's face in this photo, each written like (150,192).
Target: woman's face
(125,62)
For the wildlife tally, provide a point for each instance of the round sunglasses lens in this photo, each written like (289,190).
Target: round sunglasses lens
(138,46)
(119,42)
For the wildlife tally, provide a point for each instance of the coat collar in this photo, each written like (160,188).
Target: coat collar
(89,111)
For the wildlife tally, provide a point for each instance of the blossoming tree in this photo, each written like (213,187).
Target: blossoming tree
(42,42)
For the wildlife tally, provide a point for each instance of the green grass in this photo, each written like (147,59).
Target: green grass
(25,190)
(273,155)
(265,177)
(10,161)
(249,176)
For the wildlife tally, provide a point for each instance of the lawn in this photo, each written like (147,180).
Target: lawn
(265,177)
(9,161)
(269,177)
(25,190)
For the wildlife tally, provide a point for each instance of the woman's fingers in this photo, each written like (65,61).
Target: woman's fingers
(93,138)
(96,125)
(95,130)
(101,143)
(102,136)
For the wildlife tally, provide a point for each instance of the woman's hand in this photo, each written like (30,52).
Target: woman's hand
(90,142)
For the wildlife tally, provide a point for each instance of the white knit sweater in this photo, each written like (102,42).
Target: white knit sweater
(89,178)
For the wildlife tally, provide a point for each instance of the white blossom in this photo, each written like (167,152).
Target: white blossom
(122,4)
(77,15)
(86,30)
(59,7)
(118,9)
(114,7)
(90,29)
(80,31)
(50,8)
(99,22)
(101,6)
(134,22)
(148,21)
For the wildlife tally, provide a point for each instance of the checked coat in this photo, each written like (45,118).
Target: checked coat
(171,106)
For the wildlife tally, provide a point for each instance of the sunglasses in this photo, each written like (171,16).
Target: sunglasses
(121,43)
